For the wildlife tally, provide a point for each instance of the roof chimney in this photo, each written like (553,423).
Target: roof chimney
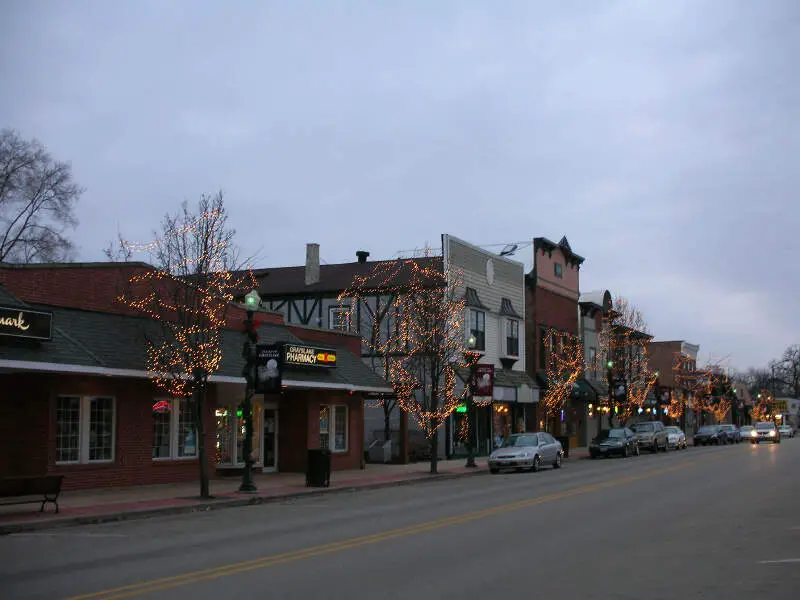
(312,264)
(362,256)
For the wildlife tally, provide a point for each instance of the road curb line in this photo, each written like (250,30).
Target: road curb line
(132,515)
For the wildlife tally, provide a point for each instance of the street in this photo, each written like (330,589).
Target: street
(709,522)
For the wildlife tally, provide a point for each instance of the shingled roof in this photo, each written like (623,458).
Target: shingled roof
(102,343)
(333,279)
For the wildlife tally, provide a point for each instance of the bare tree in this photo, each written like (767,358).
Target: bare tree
(564,364)
(786,372)
(188,294)
(372,312)
(37,202)
(430,331)
(623,338)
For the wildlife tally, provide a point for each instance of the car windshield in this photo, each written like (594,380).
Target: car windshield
(611,433)
(519,441)
(746,428)
(644,427)
(708,429)
(673,430)
(764,426)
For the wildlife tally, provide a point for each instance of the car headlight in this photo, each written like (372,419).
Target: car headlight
(754,433)
(772,433)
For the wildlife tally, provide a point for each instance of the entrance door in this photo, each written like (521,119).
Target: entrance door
(270,440)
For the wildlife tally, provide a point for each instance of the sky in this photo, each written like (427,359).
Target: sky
(662,138)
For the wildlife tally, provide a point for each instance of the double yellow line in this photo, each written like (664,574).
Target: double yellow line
(165,583)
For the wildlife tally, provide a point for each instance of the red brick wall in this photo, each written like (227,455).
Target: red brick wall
(299,429)
(661,356)
(28,417)
(543,307)
(92,288)
(328,336)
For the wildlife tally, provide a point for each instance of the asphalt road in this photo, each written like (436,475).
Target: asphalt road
(716,522)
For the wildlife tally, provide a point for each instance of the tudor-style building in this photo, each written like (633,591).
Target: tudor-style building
(80,402)
(308,295)
(552,293)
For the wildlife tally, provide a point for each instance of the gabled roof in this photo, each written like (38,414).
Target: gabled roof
(333,279)
(542,243)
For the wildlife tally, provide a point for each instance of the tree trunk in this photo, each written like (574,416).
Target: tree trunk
(200,433)
(435,452)
(387,425)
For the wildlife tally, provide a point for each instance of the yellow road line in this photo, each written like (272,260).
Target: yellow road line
(164,583)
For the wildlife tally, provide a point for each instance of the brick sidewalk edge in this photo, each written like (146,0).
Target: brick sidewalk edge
(60,522)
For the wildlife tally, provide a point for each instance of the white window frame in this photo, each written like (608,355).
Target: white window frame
(508,327)
(174,426)
(332,408)
(85,409)
(334,319)
(470,330)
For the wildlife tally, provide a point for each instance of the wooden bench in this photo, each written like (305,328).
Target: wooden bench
(31,489)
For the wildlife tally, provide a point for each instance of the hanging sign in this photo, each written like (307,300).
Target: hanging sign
(269,367)
(24,323)
(308,356)
(484,381)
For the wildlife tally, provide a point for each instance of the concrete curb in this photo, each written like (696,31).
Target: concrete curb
(59,523)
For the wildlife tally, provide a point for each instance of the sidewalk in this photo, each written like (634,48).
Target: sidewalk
(114,504)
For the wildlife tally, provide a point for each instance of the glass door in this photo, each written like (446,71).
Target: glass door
(270,440)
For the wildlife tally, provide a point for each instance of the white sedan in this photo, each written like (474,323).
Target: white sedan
(676,438)
(786,431)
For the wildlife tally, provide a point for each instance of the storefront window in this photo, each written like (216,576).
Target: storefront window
(162,432)
(335,440)
(501,421)
(224,424)
(187,440)
(324,437)
(84,429)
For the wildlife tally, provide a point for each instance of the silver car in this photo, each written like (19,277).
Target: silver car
(786,431)
(522,451)
(676,438)
(765,431)
(651,435)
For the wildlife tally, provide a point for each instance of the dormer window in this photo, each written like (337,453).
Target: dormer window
(339,318)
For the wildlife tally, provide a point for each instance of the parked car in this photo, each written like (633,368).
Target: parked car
(619,441)
(710,434)
(746,432)
(765,431)
(676,438)
(522,451)
(786,431)
(652,435)
(734,436)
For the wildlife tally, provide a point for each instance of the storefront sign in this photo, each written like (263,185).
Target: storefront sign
(309,356)
(269,368)
(29,324)
(484,381)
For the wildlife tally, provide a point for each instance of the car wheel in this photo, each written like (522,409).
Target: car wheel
(537,464)
(494,471)
(557,464)
(696,443)
(654,449)
(624,452)
(666,446)
(636,450)
(593,455)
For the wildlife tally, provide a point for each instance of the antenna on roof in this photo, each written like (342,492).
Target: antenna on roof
(509,249)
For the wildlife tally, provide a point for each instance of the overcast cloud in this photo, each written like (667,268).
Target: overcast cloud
(660,137)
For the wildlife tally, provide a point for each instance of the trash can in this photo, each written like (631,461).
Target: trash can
(564,444)
(318,468)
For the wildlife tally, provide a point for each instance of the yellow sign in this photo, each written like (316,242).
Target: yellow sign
(17,322)
(781,406)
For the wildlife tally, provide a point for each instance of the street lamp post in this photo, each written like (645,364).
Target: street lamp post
(657,385)
(472,358)
(251,301)
(610,378)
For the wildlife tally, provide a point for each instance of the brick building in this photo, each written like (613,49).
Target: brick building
(78,401)
(552,294)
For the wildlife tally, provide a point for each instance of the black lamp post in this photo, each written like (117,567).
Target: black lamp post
(611,391)
(251,301)
(657,394)
(472,358)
